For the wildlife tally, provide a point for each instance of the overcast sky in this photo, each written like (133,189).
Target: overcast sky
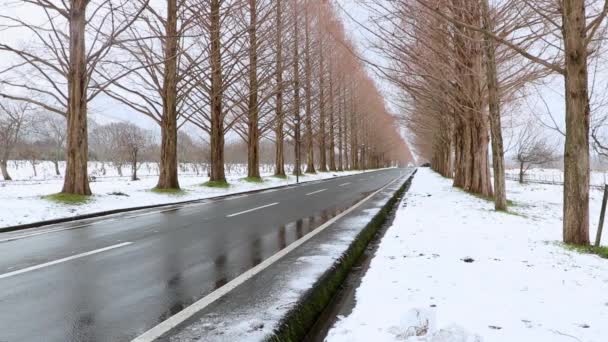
(105,110)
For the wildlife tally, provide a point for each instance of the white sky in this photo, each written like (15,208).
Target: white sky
(104,110)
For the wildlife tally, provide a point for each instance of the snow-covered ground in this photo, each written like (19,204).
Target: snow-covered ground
(451,269)
(598,178)
(23,202)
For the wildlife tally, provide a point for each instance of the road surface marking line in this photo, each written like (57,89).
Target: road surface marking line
(315,192)
(253,209)
(18,237)
(125,215)
(235,197)
(51,263)
(175,320)
(345,184)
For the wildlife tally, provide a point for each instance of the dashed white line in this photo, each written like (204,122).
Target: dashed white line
(345,184)
(175,320)
(55,262)
(253,209)
(315,192)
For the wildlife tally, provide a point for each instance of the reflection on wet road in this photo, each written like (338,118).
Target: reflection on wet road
(166,261)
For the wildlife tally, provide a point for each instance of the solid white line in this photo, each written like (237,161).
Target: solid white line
(345,184)
(173,321)
(51,263)
(315,192)
(253,209)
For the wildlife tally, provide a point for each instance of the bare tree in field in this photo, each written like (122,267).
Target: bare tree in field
(532,149)
(61,64)
(106,147)
(14,117)
(52,129)
(131,140)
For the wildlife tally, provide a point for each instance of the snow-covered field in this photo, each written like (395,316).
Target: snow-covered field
(598,178)
(451,269)
(22,171)
(23,202)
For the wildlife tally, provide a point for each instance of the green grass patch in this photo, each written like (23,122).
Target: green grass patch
(280,176)
(216,184)
(175,192)
(64,198)
(512,213)
(510,203)
(253,179)
(602,251)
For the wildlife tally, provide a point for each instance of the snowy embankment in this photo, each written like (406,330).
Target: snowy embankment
(452,269)
(23,201)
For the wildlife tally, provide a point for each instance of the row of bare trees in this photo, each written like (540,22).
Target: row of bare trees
(460,63)
(258,70)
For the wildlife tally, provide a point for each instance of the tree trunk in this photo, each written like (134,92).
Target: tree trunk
(4,169)
(217,172)
(297,170)
(56,164)
(498,156)
(332,131)
(340,133)
(354,158)
(472,139)
(168,178)
(76,179)
(576,155)
(134,167)
(279,169)
(33,162)
(322,137)
(347,165)
(521,173)
(253,139)
(310,153)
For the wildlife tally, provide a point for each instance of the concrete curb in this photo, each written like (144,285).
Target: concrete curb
(154,206)
(297,323)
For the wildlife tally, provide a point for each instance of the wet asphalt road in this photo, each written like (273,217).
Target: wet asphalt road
(115,278)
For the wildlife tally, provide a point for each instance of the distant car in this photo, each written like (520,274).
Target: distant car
(426,165)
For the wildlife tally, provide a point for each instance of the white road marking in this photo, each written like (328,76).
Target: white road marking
(18,237)
(175,320)
(134,214)
(315,192)
(51,263)
(235,197)
(253,209)
(345,184)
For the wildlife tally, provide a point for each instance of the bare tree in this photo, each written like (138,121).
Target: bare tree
(52,129)
(532,149)
(159,77)
(61,66)
(14,118)
(131,141)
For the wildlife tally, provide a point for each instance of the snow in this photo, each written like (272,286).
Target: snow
(22,200)
(519,284)
(548,175)
(281,288)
